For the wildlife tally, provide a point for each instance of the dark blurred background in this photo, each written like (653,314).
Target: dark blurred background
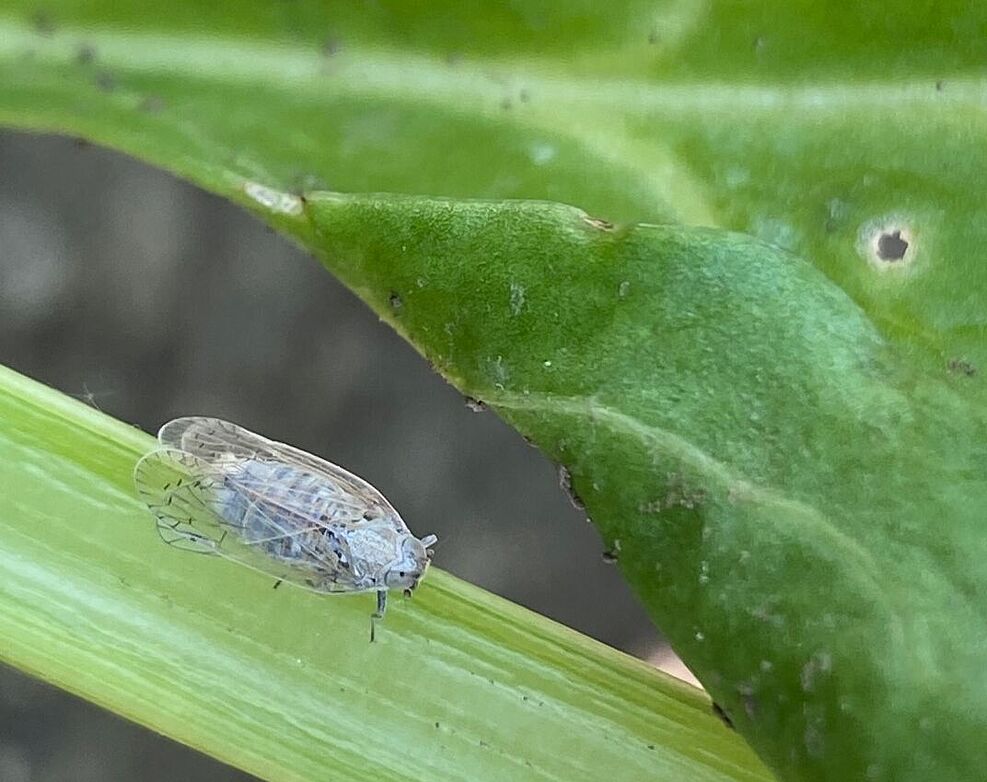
(150,299)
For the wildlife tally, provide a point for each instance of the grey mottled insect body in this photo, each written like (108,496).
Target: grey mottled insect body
(217,488)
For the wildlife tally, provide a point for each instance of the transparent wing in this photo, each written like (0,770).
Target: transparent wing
(184,492)
(218,442)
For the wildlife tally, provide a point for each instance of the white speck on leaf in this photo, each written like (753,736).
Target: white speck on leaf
(274,200)
(517,298)
(542,152)
(819,663)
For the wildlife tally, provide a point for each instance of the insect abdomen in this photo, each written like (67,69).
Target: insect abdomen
(281,509)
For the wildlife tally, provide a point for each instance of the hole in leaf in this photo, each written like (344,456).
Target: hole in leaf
(889,243)
(891,246)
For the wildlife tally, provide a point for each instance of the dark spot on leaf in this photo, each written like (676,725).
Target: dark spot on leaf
(475,404)
(940,84)
(43,23)
(105,82)
(152,104)
(483,743)
(720,712)
(436,725)
(395,301)
(565,483)
(653,37)
(961,366)
(651,746)
(596,222)
(524,96)
(86,55)
(506,104)
(891,247)
(330,46)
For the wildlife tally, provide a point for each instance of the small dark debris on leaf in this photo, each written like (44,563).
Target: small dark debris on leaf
(961,366)
(436,725)
(86,55)
(891,247)
(330,46)
(43,23)
(565,483)
(720,712)
(475,404)
(651,746)
(152,104)
(105,82)
(395,301)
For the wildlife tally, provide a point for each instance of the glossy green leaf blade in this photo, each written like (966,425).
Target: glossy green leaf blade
(460,684)
(764,463)
(811,126)
(794,475)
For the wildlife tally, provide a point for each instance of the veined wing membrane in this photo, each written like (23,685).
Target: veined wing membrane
(184,494)
(216,441)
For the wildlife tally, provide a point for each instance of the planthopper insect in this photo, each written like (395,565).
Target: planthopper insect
(216,488)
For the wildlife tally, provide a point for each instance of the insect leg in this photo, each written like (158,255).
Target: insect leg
(379,613)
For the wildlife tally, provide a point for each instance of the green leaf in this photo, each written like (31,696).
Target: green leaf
(789,448)
(459,684)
